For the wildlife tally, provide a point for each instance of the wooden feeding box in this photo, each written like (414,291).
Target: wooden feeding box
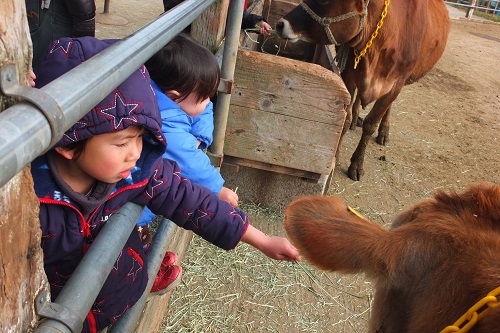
(285,118)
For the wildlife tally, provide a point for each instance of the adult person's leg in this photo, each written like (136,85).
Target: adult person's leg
(46,25)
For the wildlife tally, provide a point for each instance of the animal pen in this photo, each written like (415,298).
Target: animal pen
(278,125)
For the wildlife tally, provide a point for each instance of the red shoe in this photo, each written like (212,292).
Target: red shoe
(169,259)
(167,279)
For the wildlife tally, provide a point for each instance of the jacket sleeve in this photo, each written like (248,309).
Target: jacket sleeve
(203,127)
(193,162)
(194,207)
(250,20)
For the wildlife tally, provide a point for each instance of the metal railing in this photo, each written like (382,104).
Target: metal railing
(60,104)
(483,5)
(48,112)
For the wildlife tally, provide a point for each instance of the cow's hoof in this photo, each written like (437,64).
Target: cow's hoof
(355,173)
(359,122)
(356,123)
(382,139)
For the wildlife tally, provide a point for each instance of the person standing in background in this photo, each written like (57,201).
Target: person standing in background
(249,20)
(49,20)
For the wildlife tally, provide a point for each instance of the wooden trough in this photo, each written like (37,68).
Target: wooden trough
(284,125)
(285,120)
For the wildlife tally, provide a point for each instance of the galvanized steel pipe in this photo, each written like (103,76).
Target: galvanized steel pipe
(161,241)
(233,29)
(82,288)
(25,132)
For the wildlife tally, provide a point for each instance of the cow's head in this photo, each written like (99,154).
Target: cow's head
(324,21)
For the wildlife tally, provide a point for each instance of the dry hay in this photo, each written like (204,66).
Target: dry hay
(244,291)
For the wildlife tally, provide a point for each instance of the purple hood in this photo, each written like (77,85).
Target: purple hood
(132,103)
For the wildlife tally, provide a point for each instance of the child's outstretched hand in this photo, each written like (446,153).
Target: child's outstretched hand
(272,246)
(280,248)
(265,28)
(228,195)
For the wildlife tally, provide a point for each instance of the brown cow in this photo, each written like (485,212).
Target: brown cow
(410,40)
(438,259)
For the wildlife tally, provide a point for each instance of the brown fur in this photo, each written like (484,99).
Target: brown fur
(410,42)
(437,260)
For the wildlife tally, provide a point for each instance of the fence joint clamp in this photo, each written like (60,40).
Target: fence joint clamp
(215,159)
(226,86)
(9,84)
(58,312)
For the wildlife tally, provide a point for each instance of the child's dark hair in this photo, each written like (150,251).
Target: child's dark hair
(186,66)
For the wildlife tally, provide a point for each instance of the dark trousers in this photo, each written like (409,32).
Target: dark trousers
(47,25)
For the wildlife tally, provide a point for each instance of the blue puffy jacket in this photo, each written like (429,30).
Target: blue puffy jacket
(182,133)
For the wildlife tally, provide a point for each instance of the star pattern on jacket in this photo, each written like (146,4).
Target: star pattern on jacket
(129,106)
(156,182)
(64,48)
(115,318)
(117,262)
(97,306)
(77,127)
(60,280)
(177,174)
(234,213)
(134,270)
(201,214)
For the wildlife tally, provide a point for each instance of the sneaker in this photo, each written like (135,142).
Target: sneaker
(168,278)
(169,259)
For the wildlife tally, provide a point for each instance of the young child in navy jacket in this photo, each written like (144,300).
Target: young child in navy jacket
(113,155)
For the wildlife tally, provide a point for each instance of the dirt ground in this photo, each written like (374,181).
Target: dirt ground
(445,130)
(445,134)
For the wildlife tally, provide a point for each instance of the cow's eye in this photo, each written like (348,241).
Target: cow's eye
(323,2)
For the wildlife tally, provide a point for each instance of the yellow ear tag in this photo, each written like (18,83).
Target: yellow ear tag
(349,208)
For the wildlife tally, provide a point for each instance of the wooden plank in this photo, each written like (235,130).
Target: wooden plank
(235,161)
(288,87)
(285,112)
(210,27)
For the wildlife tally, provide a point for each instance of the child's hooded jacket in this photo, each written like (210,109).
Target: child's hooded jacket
(70,221)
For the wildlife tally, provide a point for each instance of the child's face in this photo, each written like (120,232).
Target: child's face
(191,106)
(110,157)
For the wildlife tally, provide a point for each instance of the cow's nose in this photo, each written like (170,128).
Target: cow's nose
(279,27)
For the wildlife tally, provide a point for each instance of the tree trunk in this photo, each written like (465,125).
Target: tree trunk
(21,260)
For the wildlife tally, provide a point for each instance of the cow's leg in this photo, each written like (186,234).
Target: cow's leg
(356,121)
(383,128)
(355,171)
(349,116)
(352,91)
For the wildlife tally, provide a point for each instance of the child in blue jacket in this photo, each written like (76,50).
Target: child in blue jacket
(113,155)
(185,75)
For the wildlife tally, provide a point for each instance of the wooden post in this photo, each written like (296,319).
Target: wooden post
(210,27)
(470,10)
(21,260)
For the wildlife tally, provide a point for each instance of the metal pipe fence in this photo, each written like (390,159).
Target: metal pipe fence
(61,103)
(483,5)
